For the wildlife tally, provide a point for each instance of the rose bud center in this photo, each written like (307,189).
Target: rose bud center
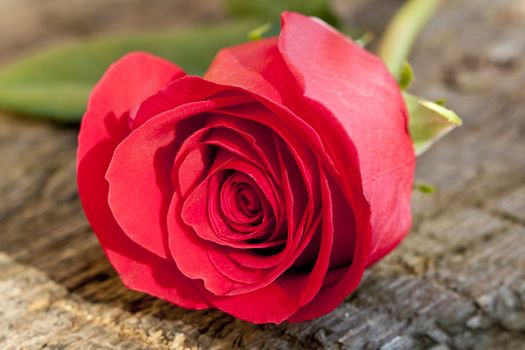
(242,201)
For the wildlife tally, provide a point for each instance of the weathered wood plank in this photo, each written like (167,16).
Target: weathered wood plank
(458,281)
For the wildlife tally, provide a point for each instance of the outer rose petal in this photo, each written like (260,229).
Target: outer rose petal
(358,89)
(126,83)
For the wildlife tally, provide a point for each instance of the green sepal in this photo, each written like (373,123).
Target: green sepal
(260,32)
(428,121)
(406,77)
(424,188)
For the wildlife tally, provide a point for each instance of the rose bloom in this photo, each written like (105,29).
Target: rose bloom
(263,189)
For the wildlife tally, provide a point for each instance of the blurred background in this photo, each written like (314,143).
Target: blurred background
(31,25)
(456,282)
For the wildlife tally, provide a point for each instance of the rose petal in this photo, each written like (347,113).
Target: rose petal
(139,178)
(192,88)
(230,140)
(327,66)
(257,135)
(192,163)
(188,89)
(241,224)
(195,210)
(244,65)
(191,255)
(103,127)
(237,272)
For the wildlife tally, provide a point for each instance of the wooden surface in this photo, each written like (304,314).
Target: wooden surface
(457,282)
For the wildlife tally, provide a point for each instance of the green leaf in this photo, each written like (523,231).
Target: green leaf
(407,76)
(55,84)
(270,10)
(429,122)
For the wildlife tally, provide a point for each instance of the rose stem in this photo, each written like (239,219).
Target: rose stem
(402,31)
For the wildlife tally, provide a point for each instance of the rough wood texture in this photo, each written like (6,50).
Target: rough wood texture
(457,282)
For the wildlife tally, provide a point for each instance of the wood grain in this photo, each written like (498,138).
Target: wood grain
(457,281)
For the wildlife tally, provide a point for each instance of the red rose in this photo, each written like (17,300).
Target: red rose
(263,189)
